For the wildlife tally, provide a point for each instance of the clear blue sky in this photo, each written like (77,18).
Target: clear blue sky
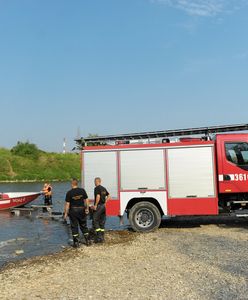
(113,66)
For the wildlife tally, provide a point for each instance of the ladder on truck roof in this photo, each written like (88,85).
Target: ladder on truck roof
(162,134)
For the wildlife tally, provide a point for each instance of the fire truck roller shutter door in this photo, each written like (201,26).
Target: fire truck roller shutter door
(103,165)
(142,169)
(191,172)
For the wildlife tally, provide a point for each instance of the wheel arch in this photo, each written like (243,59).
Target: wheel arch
(135,200)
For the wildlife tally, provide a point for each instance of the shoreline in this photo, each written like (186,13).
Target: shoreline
(29,261)
(33,181)
(116,237)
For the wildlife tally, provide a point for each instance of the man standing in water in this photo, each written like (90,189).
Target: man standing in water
(47,190)
(77,207)
(99,215)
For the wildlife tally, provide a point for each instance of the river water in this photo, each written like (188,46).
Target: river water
(27,235)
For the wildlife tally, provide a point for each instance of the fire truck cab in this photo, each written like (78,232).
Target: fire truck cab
(232,167)
(149,179)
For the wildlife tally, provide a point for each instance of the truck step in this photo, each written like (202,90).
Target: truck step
(240,213)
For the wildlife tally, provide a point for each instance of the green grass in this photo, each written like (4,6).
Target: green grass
(47,166)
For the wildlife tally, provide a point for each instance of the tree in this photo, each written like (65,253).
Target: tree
(26,150)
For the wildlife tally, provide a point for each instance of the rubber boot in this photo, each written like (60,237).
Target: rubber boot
(75,242)
(102,236)
(98,238)
(87,239)
(91,236)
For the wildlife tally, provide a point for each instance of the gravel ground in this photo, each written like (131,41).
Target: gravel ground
(185,259)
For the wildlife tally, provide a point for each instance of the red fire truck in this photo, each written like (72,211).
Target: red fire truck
(189,172)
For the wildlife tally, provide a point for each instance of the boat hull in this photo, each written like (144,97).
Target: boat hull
(13,200)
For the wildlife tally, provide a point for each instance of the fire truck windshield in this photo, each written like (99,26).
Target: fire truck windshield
(237,153)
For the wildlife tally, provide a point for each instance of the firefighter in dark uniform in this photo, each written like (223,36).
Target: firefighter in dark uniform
(99,208)
(77,208)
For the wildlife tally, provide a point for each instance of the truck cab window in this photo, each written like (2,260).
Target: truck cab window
(237,153)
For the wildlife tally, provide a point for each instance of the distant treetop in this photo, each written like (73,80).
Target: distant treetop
(26,149)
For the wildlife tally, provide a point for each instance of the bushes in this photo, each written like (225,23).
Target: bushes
(26,150)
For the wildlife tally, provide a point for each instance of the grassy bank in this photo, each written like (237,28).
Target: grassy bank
(45,166)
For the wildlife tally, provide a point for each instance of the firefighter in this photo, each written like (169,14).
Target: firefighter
(47,191)
(99,208)
(77,207)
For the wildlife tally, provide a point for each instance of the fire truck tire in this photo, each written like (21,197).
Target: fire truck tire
(144,217)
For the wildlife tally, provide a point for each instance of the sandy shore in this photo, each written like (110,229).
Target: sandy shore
(184,260)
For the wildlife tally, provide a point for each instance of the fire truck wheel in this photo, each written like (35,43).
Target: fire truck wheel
(144,217)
